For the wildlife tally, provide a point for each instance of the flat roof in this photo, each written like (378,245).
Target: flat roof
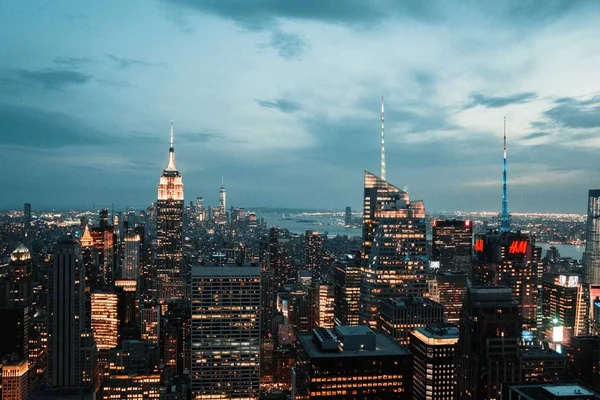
(384,346)
(200,270)
(354,330)
(568,390)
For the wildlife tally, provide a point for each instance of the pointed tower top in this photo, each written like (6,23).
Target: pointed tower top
(171,164)
(382,142)
(504,215)
(86,239)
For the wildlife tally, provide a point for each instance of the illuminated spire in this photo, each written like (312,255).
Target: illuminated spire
(504,215)
(171,164)
(382,144)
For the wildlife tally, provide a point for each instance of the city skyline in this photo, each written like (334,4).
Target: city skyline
(295,95)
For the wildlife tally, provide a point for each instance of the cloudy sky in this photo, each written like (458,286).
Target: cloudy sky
(282,99)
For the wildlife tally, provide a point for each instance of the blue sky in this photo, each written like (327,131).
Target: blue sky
(282,99)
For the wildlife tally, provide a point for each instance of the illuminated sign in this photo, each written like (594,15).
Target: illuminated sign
(467,223)
(518,247)
(570,281)
(478,244)
(434,265)
(557,334)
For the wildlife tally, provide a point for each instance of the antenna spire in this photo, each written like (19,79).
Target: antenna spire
(171,133)
(382,143)
(222,181)
(504,216)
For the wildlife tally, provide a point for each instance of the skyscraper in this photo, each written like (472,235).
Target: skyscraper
(169,241)
(488,346)
(322,303)
(66,308)
(104,243)
(225,331)
(314,252)
(452,245)
(222,204)
(346,290)
(394,246)
(348,216)
(105,323)
(131,264)
(433,348)
(591,255)
(563,307)
(27,216)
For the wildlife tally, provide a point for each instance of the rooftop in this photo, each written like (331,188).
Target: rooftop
(404,302)
(201,270)
(384,346)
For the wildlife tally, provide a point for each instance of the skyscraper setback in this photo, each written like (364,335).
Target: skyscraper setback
(394,246)
(169,241)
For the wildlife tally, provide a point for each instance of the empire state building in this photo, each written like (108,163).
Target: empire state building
(170,279)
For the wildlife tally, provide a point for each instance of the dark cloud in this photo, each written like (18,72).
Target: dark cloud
(283,105)
(535,135)
(53,79)
(288,45)
(72,62)
(123,62)
(33,127)
(574,113)
(478,99)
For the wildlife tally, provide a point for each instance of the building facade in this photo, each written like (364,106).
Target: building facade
(452,245)
(225,332)
(400,315)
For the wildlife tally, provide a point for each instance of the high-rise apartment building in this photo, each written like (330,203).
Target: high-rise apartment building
(314,255)
(394,246)
(433,348)
(225,331)
(563,307)
(169,240)
(452,245)
(131,263)
(346,290)
(398,316)
(488,346)
(351,362)
(66,309)
(591,258)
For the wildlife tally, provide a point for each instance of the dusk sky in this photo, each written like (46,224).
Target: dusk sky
(282,98)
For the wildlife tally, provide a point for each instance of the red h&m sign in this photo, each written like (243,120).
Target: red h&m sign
(479,245)
(518,247)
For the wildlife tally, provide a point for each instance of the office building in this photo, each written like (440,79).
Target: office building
(127,310)
(314,255)
(150,323)
(563,307)
(19,279)
(66,309)
(398,316)
(346,290)
(591,256)
(322,305)
(15,383)
(433,348)
(169,240)
(348,216)
(105,322)
(225,331)
(14,339)
(452,245)
(394,246)
(104,243)
(511,259)
(538,365)
(450,289)
(549,391)
(488,346)
(131,263)
(583,354)
(351,362)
